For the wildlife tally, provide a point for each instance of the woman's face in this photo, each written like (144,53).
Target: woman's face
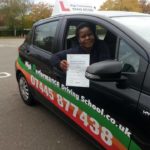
(86,38)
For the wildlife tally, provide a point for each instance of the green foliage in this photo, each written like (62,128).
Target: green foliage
(38,11)
(18,15)
(123,5)
(13,12)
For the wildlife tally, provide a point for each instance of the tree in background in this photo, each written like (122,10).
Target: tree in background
(14,12)
(18,15)
(37,12)
(2,12)
(126,5)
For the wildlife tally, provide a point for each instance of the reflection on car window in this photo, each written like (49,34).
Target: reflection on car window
(128,57)
(29,37)
(71,31)
(100,32)
(71,40)
(44,35)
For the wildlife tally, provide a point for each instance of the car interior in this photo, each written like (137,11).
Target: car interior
(103,34)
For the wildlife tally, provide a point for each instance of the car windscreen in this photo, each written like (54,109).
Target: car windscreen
(138,24)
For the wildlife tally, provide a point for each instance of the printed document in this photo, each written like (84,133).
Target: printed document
(76,70)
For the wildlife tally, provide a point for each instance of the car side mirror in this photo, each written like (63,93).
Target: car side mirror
(108,70)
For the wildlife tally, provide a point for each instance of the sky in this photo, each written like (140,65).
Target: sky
(97,2)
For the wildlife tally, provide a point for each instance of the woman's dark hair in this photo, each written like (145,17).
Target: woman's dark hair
(85,24)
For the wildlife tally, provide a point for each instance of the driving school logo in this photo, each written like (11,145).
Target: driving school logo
(101,126)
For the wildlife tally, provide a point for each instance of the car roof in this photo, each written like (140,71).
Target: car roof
(111,14)
(108,14)
(103,14)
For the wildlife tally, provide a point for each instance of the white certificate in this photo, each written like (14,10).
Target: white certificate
(76,70)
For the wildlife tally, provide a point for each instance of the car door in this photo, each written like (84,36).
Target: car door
(123,97)
(118,99)
(37,51)
(43,44)
(123,49)
(96,103)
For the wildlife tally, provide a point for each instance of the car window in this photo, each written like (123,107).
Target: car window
(44,35)
(28,37)
(71,40)
(71,31)
(129,57)
(100,32)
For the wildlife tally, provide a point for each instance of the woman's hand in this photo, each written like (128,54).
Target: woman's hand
(64,65)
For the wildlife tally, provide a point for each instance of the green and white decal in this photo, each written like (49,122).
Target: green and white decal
(102,127)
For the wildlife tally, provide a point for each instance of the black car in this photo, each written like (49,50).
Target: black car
(114,112)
